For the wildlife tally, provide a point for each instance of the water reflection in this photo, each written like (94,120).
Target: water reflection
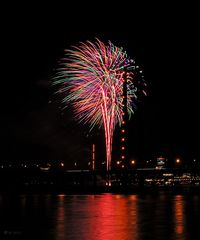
(179,217)
(100,217)
(97,217)
(60,219)
(114,218)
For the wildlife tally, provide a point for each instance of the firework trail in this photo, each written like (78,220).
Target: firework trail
(91,77)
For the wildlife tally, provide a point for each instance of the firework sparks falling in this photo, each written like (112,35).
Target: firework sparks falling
(92,76)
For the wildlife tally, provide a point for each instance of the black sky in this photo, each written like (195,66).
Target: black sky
(163,39)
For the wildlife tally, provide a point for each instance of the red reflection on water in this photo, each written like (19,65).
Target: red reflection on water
(97,217)
(117,218)
(179,217)
(60,219)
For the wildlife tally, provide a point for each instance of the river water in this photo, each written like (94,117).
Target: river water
(100,217)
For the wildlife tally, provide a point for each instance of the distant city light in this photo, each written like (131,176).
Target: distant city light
(178,160)
(62,164)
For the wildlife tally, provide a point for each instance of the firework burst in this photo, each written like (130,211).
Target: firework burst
(92,77)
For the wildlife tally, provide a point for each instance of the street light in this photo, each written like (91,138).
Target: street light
(133,162)
(62,164)
(178,161)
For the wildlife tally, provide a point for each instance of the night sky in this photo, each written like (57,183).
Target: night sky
(162,39)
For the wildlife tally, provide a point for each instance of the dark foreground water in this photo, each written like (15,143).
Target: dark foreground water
(100,217)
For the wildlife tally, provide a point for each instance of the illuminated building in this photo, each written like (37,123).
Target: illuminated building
(160,162)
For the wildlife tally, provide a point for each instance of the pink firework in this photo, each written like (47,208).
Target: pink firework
(92,76)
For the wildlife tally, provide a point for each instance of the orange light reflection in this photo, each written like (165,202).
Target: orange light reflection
(60,227)
(179,217)
(119,212)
